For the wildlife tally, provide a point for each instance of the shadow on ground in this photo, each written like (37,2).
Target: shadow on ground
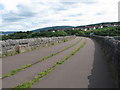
(101,76)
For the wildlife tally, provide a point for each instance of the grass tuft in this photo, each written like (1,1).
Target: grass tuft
(16,71)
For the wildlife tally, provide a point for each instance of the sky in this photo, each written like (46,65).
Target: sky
(26,15)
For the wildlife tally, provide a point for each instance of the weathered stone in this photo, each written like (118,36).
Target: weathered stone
(113,47)
(22,45)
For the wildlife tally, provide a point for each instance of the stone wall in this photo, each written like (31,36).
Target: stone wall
(117,37)
(111,47)
(23,45)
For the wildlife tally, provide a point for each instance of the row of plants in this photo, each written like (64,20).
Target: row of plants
(16,71)
(30,34)
(13,72)
(40,75)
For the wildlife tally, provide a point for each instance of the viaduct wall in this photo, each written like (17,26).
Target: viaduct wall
(111,47)
(8,47)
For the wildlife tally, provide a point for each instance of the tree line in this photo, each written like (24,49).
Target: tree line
(107,31)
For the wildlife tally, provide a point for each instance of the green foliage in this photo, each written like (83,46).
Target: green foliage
(81,33)
(16,70)
(111,31)
(25,66)
(107,31)
(28,34)
(23,86)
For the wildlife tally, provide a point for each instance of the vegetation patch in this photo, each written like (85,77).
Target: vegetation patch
(40,75)
(107,31)
(44,58)
(110,31)
(16,70)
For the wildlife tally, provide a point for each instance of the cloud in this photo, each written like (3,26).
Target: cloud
(33,14)
(25,11)
(68,3)
(1,7)
(22,12)
(11,17)
(75,15)
(65,20)
(89,2)
(99,13)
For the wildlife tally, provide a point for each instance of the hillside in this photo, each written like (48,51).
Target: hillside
(37,30)
(7,32)
(54,27)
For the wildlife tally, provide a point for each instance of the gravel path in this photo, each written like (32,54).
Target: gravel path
(16,61)
(32,71)
(86,69)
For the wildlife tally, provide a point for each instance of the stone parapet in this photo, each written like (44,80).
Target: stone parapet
(111,47)
(22,45)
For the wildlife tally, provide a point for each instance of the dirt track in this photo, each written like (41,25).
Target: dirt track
(86,69)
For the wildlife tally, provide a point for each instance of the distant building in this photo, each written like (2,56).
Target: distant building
(90,27)
(73,28)
(53,31)
(97,26)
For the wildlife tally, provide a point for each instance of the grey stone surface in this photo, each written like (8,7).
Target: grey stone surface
(22,45)
(111,45)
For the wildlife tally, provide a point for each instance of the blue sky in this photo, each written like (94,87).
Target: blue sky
(32,14)
(1,7)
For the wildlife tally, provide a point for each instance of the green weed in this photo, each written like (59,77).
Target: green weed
(16,71)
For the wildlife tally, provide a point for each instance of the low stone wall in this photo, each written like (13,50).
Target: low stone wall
(117,37)
(111,47)
(22,45)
